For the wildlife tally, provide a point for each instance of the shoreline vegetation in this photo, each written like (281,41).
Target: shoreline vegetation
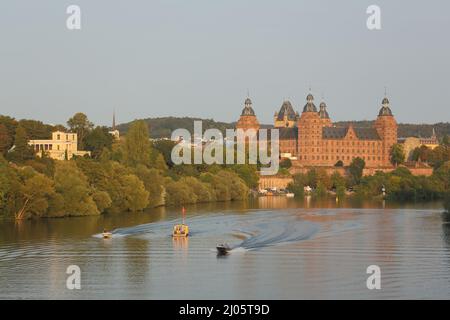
(135,173)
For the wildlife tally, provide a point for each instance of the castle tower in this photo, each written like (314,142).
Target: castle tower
(386,127)
(248,119)
(309,134)
(286,117)
(323,114)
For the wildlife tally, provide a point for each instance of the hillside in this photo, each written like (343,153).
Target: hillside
(163,127)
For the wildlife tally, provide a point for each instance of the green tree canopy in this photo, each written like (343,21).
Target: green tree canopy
(22,151)
(6,139)
(356,169)
(81,125)
(397,155)
(36,193)
(98,139)
(74,188)
(137,147)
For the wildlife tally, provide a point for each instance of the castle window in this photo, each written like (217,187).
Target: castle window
(58,137)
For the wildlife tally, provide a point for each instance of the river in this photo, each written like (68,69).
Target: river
(282,249)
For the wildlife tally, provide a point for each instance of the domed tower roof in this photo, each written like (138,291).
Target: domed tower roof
(323,114)
(309,106)
(248,110)
(385,109)
(286,110)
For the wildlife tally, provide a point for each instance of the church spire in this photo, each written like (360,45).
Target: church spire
(114,120)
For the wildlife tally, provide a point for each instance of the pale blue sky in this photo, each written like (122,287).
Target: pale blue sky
(198,57)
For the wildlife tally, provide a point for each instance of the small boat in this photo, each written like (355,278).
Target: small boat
(290,195)
(107,235)
(180,230)
(223,249)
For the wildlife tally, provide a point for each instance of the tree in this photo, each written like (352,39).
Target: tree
(286,163)
(10,186)
(165,147)
(36,193)
(338,183)
(339,163)
(153,183)
(137,147)
(10,125)
(5,139)
(297,186)
(445,141)
(102,200)
(36,129)
(356,169)
(134,195)
(22,151)
(179,192)
(73,186)
(81,125)
(98,139)
(397,156)
(422,153)
(158,161)
(321,190)
(248,173)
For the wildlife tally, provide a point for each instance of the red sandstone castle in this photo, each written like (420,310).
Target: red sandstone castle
(313,140)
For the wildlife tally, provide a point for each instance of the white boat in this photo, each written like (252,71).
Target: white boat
(107,235)
(290,195)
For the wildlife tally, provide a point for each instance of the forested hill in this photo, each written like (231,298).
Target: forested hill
(163,127)
(409,129)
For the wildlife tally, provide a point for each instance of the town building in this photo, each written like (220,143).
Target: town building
(411,143)
(62,146)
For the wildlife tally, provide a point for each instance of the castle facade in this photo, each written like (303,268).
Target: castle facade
(311,139)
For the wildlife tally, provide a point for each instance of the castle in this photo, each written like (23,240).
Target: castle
(311,139)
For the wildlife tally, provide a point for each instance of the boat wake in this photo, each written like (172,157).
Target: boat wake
(273,233)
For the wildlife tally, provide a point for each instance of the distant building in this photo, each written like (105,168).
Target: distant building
(431,142)
(411,143)
(62,143)
(114,132)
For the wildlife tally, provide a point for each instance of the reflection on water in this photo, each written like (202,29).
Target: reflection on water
(282,248)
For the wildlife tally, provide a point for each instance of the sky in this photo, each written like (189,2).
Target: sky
(200,58)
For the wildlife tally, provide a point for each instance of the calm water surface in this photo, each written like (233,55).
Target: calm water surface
(283,249)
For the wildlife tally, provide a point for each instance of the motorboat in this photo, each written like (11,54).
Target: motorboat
(223,249)
(107,235)
(180,230)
